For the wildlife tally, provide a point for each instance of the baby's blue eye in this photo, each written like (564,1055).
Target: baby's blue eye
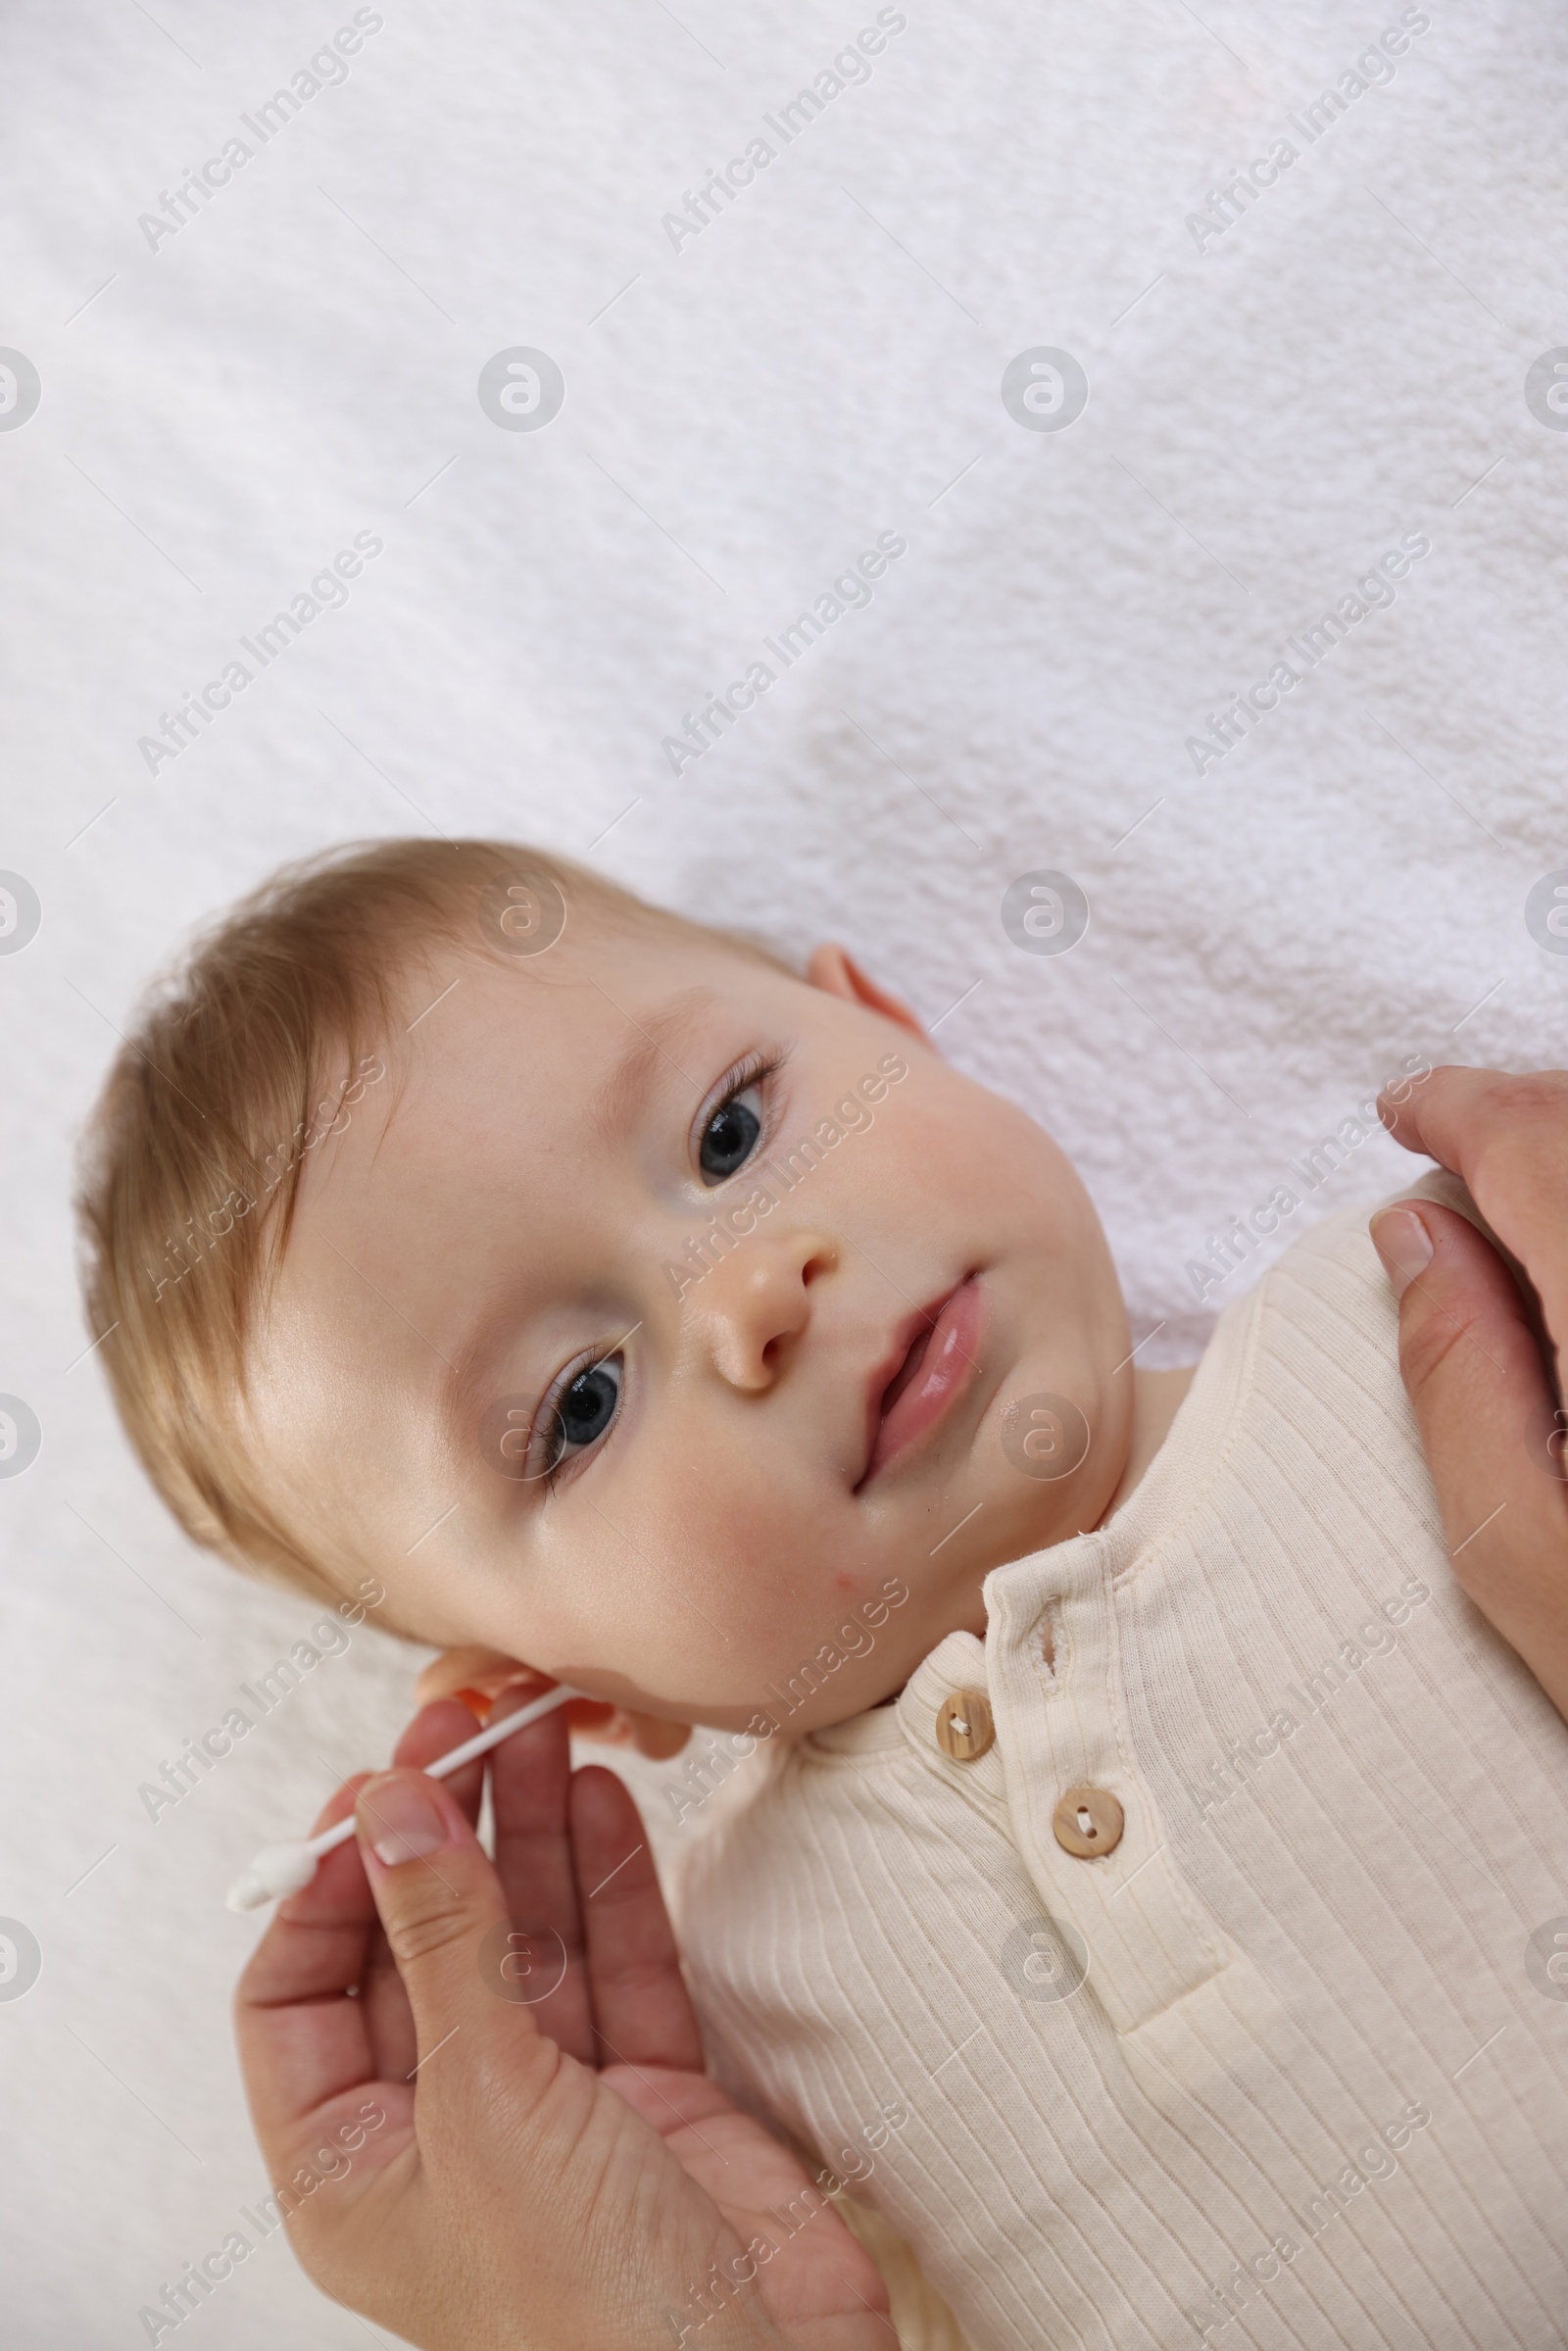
(584,1409)
(729,1138)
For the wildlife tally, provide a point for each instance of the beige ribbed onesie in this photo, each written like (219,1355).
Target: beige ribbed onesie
(1288,2067)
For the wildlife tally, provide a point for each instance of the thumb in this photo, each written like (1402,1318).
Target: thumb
(441,1904)
(1489,1422)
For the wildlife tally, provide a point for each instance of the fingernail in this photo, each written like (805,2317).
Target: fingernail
(403,1819)
(1403,1244)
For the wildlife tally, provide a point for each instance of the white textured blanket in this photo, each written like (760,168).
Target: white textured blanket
(1208,370)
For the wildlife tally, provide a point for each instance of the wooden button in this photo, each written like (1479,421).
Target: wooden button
(1088,1822)
(965,1727)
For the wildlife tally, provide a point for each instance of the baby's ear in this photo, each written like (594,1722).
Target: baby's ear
(485,1672)
(834,969)
(476,1673)
(651,1734)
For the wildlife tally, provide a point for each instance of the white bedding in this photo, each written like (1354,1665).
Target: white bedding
(1272,408)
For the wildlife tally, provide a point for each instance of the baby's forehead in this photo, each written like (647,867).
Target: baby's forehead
(484,1055)
(575,1017)
(598,975)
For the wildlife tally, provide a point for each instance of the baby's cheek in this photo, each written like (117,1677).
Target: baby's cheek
(726,1536)
(751,1552)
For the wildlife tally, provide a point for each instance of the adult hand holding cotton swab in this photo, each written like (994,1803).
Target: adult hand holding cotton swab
(279,1869)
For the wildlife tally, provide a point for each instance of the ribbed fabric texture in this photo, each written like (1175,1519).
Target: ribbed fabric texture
(1313,2091)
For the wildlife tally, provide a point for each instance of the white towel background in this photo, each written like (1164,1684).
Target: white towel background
(1268,415)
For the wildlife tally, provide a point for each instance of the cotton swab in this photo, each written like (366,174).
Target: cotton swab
(279,1869)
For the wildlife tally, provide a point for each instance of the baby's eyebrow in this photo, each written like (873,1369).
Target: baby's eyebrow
(625,1087)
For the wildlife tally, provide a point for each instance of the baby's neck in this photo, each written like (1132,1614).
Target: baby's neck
(1156,1398)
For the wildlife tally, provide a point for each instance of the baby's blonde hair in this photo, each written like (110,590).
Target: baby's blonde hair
(236,1065)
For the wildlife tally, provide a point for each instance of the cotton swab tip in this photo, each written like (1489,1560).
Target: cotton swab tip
(277,1871)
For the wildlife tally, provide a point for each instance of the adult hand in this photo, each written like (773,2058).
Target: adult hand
(552,2172)
(1481,1354)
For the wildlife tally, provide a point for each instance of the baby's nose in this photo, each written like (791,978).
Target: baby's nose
(758,1301)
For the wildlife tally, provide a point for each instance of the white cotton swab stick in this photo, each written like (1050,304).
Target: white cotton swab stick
(279,1869)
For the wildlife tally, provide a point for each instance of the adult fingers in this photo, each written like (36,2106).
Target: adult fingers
(304,2037)
(642,2009)
(1489,1424)
(433,1731)
(1507,1138)
(441,1906)
(529,1779)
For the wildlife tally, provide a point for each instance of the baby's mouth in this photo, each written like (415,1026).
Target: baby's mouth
(936,1364)
(905,1371)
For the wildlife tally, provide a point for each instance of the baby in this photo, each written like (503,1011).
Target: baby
(1157,1863)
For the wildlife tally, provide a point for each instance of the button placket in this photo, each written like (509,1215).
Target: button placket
(1083,1821)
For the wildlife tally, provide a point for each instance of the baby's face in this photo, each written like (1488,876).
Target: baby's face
(663,1318)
